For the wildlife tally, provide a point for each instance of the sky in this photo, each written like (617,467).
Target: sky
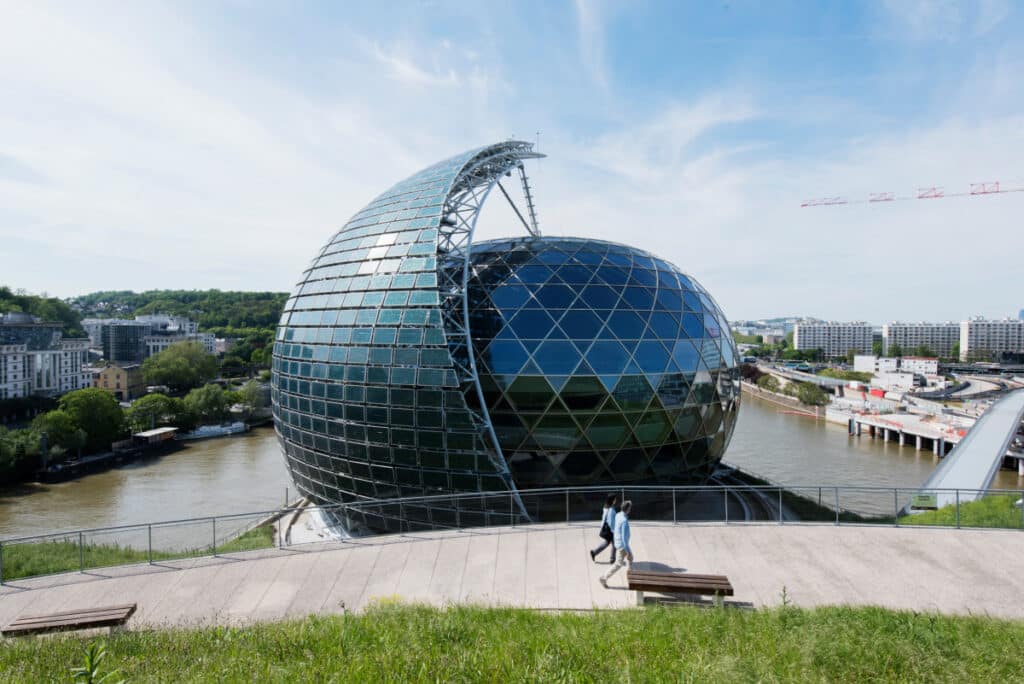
(198,145)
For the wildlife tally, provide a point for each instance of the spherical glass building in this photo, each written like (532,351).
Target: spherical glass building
(411,361)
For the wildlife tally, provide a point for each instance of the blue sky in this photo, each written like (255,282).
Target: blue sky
(148,145)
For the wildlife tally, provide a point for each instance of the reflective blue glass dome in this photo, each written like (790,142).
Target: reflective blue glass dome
(599,363)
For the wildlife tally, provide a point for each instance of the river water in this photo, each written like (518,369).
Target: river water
(247,474)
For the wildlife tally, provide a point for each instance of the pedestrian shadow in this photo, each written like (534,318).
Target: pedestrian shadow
(654,566)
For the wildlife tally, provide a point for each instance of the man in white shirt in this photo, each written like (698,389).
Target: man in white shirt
(625,554)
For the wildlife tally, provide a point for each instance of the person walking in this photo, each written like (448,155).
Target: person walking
(607,532)
(625,553)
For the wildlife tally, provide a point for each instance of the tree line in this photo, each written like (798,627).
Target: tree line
(220,312)
(88,421)
(47,308)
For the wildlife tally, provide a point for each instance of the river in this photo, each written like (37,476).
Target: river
(247,473)
(209,477)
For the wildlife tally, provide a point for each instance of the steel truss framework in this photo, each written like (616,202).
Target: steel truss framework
(466,197)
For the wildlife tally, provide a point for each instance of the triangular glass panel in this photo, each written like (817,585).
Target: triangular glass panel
(653,428)
(608,431)
(531,369)
(685,356)
(557,334)
(633,393)
(556,432)
(558,381)
(582,392)
(530,393)
(608,381)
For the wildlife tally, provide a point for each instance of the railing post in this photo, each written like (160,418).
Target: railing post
(512,507)
(958,509)
(81,554)
(1,564)
(149,543)
(1021,513)
(567,506)
(837,505)
(213,548)
(674,518)
(725,503)
(780,505)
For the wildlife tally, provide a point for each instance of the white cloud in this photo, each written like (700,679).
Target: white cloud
(590,34)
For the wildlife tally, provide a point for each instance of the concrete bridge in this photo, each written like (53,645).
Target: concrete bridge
(548,567)
(906,428)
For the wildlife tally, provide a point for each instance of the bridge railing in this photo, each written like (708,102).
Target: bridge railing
(166,541)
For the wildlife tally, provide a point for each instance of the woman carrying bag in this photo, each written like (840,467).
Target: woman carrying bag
(607,525)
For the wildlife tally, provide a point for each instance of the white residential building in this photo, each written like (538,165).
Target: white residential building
(920,364)
(14,376)
(983,340)
(868,363)
(49,364)
(939,337)
(157,343)
(834,339)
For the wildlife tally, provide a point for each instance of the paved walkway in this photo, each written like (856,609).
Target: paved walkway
(547,567)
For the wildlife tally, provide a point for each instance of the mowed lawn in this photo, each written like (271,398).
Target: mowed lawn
(396,643)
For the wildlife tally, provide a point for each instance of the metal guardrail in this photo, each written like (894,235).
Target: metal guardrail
(81,550)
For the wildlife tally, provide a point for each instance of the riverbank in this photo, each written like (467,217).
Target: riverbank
(414,644)
(788,402)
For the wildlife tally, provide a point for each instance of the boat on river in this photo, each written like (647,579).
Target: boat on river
(209,431)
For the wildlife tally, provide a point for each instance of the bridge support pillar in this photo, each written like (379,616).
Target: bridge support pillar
(935,446)
(918,446)
(885,434)
(942,446)
(860,426)
(903,438)
(1020,467)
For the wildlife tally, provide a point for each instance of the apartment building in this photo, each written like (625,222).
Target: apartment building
(834,339)
(939,337)
(988,340)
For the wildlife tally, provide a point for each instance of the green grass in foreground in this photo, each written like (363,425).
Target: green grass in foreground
(400,644)
(46,558)
(996,510)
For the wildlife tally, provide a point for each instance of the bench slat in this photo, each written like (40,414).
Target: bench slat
(84,611)
(68,620)
(652,573)
(660,580)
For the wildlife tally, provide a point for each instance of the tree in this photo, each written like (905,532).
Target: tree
(148,412)
(208,403)
(61,431)
(810,394)
(97,412)
(876,348)
(923,350)
(769,383)
(252,394)
(181,366)
(895,350)
(19,454)
(955,350)
(850,354)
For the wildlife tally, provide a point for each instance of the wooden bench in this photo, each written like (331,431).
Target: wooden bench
(678,583)
(114,617)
